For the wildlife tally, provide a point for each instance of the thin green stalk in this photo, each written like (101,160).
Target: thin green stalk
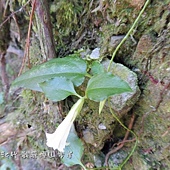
(129,32)
(83,166)
(136,141)
(78,95)
(88,75)
(132,151)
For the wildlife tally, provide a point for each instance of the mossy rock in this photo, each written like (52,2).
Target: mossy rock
(95,128)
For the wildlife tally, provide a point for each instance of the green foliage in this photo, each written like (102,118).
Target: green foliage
(104,85)
(57,77)
(58,88)
(71,67)
(74,151)
(96,68)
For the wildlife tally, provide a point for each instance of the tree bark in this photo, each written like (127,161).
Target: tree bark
(44,26)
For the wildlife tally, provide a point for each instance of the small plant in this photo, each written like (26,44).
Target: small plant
(57,79)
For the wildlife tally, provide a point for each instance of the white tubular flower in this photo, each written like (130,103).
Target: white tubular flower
(58,139)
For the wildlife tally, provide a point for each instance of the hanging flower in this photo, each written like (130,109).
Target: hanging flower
(57,140)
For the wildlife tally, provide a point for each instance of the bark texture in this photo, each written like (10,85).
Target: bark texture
(45,32)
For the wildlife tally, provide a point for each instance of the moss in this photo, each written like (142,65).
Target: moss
(35,52)
(65,18)
(91,119)
(67,13)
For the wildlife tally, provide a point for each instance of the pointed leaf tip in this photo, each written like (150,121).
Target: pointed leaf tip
(74,151)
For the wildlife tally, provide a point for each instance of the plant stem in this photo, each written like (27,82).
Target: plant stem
(129,32)
(83,166)
(136,142)
(88,75)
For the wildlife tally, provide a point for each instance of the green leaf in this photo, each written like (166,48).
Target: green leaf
(97,68)
(102,86)
(58,88)
(70,67)
(74,150)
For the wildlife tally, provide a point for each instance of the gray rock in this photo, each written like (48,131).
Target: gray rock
(115,40)
(123,102)
(116,159)
(99,159)
(95,54)
(88,136)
